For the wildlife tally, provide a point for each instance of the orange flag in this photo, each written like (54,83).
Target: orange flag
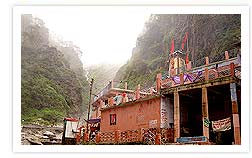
(187,58)
(172,47)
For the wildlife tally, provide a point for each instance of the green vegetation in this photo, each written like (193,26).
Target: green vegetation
(53,84)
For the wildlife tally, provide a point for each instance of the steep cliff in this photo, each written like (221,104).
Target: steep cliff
(208,35)
(53,84)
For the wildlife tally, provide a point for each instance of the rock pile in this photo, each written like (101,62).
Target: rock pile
(39,135)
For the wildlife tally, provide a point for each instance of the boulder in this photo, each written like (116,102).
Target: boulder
(34,141)
(49,134)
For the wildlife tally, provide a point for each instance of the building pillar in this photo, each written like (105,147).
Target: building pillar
(232,69)
(235,114)
(181,76)
(78,136)
(226,55)
(158,139)
(138,92)
(189,66)
(124,97)
(86,137)
(110,101)
(206,74)
(177,65)
(207,61)
(99,112)
(176,116)
(125,85)
(98,138)
(140,134)
(205,117)
(158,82)
(117,136)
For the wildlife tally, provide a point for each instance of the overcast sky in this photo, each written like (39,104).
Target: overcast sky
(104,34)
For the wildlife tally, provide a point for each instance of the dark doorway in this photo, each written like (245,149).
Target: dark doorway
(191,113)
(219,108)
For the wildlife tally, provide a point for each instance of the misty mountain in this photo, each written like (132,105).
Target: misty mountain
(53,82)
(208,35)
(102,74)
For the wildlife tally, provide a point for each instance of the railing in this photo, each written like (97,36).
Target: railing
(207,72)
(167,136)
(144,135)
(129,136)
(107,137)
(130,93)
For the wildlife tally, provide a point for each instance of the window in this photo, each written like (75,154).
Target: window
(112,119)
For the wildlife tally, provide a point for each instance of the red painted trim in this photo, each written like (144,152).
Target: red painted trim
(71,119)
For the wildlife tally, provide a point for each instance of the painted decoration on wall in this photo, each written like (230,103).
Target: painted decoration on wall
(206,122)
(153,124)
(187,77)
(164,118)
(222,125)
(140,118)
(166,113)
(112,119)
(233,92)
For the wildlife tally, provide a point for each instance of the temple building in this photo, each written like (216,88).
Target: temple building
(199,105)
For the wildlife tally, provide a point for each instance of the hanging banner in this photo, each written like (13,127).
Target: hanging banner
(222,125)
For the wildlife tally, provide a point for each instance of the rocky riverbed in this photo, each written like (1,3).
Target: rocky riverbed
(40,135)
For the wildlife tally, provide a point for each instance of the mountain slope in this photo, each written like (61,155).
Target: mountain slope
(209,35)
(52,85)
(102,74)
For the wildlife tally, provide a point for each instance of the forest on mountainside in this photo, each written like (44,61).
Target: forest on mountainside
(208,35)
(53,82)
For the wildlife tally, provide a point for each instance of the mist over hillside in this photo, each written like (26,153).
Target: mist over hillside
(208,35)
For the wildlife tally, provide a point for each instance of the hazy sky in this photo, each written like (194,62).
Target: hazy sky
(104,34)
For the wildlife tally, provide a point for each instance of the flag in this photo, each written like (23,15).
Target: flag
(172,46)
(187,58)
(184,41)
